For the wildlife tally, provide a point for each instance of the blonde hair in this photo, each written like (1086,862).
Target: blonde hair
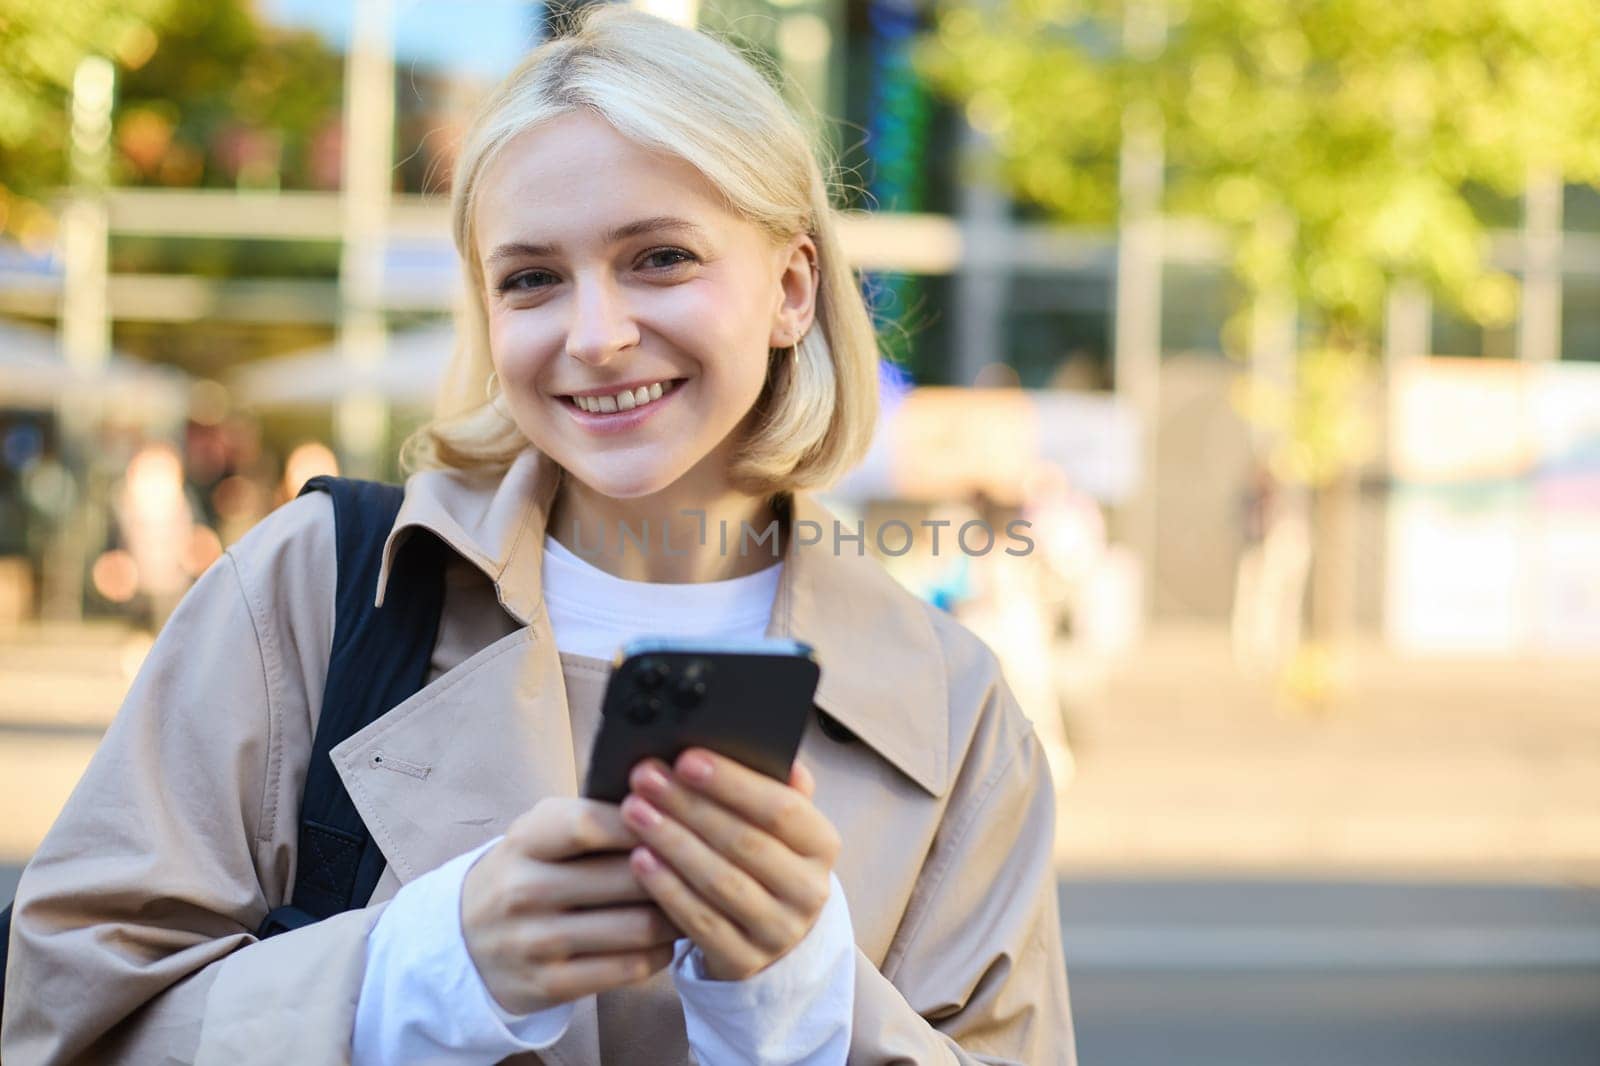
(685,93)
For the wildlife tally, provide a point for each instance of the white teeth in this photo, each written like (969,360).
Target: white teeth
(626,400)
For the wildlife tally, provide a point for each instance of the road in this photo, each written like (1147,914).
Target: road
(1318,973)
(1306,973)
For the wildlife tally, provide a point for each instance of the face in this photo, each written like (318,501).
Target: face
(631,314)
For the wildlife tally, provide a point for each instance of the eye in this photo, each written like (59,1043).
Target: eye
(667,258)
(524,281)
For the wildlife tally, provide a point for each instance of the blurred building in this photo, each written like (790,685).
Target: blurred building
(971,278)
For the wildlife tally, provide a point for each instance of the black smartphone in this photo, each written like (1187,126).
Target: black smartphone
(746,700)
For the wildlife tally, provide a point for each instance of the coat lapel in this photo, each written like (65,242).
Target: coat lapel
(881,658)
(883,673)
(452,765)
(455,764)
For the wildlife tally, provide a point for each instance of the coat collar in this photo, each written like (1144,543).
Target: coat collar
(883,673)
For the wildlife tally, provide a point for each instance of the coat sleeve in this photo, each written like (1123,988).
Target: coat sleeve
(133,932)
(976,973)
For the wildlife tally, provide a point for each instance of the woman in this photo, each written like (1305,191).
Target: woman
(663,332)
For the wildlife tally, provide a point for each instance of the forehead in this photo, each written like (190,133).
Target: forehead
(569,180)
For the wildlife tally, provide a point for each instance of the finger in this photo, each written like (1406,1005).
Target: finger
(801,780)
(597,881)
(572,934)
(587,975)
(782,811)
(761,919)
(565,827)
(795,879)
(717,937)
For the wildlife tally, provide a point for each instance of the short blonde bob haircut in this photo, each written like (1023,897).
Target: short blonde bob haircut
(682,92)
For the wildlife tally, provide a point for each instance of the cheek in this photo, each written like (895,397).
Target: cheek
(753,358)
(727,326)
(750,374)
(519,347)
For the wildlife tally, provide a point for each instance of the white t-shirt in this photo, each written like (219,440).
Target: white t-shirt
(594,613)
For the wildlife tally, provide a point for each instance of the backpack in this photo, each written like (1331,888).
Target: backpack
(379,657)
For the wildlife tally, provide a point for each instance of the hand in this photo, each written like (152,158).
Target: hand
(738,861)
(548,920)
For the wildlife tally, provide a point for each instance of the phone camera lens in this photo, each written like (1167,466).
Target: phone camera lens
(691,687)
(651,674)
(644,709)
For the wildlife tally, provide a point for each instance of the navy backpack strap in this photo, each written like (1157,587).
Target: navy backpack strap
(380,657)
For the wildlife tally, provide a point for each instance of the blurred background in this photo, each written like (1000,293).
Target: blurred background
(1280,322)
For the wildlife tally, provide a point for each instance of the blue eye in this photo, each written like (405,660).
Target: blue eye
(654,258)
(521,282)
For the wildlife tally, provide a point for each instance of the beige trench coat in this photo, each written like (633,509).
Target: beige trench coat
(132,938)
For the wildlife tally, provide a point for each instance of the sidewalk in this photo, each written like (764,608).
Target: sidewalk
(59,687)
(1422,768)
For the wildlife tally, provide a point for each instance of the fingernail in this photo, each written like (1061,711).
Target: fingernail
(646,860)
(649,779)
(695,767)
(640,814)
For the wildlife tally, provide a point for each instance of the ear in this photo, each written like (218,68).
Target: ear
(797,296)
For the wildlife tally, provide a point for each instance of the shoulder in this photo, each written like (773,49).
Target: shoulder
(987,726)
(984,726)
(287,567)
(927,692)
(292,552)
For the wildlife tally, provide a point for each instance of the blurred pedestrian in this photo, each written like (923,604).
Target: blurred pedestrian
(1270,581)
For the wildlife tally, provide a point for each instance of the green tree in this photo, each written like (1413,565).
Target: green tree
(207,95)
(1339,146)
(41,44)
(228,100)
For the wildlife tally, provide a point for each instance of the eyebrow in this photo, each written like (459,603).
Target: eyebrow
(528,250)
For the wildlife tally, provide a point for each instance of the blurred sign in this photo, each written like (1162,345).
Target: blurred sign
(1460,420)
(943,443)
(953,442)
(1094,437)
(1496,510)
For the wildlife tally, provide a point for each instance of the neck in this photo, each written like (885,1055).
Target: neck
(658,538)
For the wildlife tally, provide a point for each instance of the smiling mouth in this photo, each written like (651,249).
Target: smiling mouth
(623,399)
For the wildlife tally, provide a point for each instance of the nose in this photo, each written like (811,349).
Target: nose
(602,324)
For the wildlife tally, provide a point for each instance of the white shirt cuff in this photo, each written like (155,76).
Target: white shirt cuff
(796,1012)
(422,998)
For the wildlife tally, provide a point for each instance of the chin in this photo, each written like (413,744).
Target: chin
(625,481)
